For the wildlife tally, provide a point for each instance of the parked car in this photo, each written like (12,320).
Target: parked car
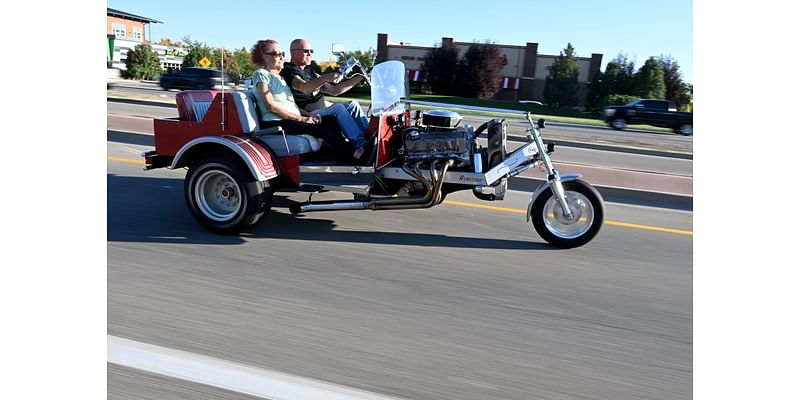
(194,78)
(661,113)
(113,76)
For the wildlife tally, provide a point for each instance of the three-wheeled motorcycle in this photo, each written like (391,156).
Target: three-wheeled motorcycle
(233,167)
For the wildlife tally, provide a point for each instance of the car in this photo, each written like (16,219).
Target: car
(113,76)
(661,113)
(194,78)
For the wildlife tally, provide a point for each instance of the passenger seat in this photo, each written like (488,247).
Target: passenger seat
(282,144)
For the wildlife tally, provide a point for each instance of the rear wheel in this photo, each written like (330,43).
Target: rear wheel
(588,212)
(685,130)
(222,195)
(618,124)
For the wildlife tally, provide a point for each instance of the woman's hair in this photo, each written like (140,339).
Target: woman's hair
(259,50)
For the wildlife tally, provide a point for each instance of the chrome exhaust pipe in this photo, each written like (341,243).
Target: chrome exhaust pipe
(431,197)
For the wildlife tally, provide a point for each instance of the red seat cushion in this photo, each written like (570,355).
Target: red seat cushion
(186,99)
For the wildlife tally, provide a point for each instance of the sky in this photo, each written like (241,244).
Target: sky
(639,29)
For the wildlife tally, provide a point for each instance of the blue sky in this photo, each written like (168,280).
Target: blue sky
(639,29)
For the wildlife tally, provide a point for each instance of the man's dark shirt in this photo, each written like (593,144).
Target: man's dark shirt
(289,72)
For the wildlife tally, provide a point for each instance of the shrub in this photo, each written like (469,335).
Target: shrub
(617,99)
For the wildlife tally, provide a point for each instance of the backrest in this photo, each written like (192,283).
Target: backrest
(193,104)
(247,110)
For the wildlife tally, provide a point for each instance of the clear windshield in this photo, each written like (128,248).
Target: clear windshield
(388,85)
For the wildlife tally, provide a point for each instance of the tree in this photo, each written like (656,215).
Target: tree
(676,89)
(478,72)
(142,62)
(624,76)
(441,64)
(195,51)
(615,83)
(561,85)
(365,58)
(649,80)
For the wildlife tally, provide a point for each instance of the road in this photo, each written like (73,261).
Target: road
(453,302)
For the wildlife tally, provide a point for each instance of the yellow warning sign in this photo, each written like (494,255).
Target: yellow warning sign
(205,62)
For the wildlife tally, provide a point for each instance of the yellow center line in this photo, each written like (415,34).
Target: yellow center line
(125,160)
(501,209)
(607,222)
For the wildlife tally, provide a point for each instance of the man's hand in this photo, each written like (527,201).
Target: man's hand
(330,77)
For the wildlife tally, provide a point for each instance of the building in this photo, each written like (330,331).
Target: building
(523,75)
(125,31)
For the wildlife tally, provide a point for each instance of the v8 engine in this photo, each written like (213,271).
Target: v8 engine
(441,137)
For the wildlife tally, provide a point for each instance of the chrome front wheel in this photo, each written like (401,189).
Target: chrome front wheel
(556,228)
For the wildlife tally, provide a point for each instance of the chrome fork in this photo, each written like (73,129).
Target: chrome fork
(553,177)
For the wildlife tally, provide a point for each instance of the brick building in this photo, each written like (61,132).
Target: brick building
(523,76)
(125,31)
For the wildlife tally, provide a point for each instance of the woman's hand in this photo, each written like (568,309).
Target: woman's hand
(311,119)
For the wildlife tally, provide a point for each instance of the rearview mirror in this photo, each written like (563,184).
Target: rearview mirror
(337,49)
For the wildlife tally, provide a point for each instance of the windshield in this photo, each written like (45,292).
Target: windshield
(388,85)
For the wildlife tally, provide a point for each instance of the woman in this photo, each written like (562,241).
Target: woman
(277,106)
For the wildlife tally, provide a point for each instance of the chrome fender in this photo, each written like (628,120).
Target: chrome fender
(543,187)
(257,158)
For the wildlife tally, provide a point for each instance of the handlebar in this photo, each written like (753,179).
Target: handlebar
(346,69)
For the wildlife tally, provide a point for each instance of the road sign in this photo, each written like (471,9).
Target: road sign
(205,62)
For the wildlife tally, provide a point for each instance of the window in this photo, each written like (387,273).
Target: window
(137,33)
(118,29)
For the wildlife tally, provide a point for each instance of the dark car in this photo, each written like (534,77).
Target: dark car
(194,78)
(661,113)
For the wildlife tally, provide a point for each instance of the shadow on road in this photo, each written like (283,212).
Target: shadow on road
(153,210)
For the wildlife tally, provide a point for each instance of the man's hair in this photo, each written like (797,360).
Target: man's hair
(259,51)
(294,43)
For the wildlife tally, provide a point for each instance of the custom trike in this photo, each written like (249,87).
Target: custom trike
(233,167)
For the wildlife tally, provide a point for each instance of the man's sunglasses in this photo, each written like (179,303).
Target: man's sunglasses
(307,51)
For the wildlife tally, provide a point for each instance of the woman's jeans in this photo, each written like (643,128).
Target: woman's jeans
(351,119)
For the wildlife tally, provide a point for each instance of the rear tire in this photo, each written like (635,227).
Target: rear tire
(685,130)
(618,124)
(587,207)
(222,195)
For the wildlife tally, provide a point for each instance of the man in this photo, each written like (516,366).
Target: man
(308,88)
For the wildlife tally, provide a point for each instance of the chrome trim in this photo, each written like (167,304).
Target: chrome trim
(339,169)
(177,161)
(463,107)
(543,187)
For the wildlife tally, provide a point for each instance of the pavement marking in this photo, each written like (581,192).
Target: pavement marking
(227,375)
(501,209)
(607,222)
(125,160)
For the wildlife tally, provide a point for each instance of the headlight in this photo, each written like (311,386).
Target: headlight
(609,111)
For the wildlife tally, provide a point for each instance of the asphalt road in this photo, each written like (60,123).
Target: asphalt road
(453,302)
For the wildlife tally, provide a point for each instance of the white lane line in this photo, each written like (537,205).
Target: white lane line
(226,374)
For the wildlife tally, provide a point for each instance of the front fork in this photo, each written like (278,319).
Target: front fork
(553,177)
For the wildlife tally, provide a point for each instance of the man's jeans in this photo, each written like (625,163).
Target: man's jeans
(351,119)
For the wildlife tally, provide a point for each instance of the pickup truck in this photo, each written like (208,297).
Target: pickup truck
(661,113)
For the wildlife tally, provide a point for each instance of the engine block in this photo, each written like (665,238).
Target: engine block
(433,143)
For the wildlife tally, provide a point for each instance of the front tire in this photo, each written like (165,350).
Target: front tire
(222,195)
(588,212)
